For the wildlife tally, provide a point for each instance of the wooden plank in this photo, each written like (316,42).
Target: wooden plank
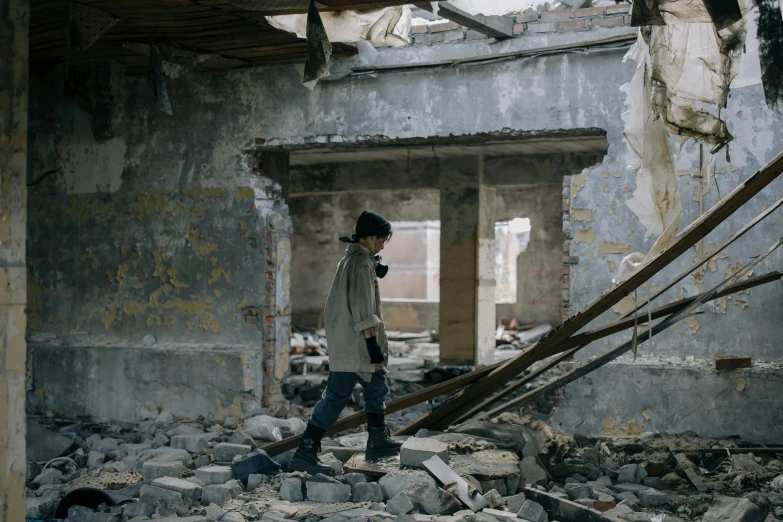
(730,285)
(492,26)
(451,410)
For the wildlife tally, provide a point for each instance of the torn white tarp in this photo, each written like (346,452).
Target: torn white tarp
(383,27)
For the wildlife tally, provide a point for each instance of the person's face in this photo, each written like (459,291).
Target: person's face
(377,244)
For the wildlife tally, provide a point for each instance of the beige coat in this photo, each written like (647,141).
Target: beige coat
(353,305)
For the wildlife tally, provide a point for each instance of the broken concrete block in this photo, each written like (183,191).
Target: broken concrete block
(254,480)
(633,473)
(354,478)
(135,450)
(633,488)
(284,510)
(328,459)
(494,498)
(328,492)
(577,491)
(628,497)
(604,480)
(41,507)
(531,473)
(183,429)
(233,517)
(533,512)
(656,483)
(515,502)
(214,474)
(497,484)
(578,478)
(187,489)
(192,443)
(291,490)
(152,470)
(225,452)
(652,498)
(503,516)
(192,518)
(216,494)
(512,484)
(414,451)
(393,484)
(366,492)
(165,499)
(165,454)
(137,509)
(623,513)
(432,500)
(48,476)
(240,437)
(201,461)
(399,505)
(107,445)
(214,512)
(95,459)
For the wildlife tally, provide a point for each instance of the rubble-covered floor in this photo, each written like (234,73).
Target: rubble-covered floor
(174,469)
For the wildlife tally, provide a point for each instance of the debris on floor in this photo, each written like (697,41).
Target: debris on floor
(513,467)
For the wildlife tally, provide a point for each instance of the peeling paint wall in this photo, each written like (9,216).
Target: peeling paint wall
(14,85)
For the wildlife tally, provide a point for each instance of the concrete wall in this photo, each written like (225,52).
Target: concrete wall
(14,85)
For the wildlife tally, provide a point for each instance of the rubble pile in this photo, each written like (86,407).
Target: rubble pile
(512,468)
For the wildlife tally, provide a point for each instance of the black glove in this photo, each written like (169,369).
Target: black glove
(375,350)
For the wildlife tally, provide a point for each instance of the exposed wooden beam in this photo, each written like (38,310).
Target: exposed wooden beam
(492,26)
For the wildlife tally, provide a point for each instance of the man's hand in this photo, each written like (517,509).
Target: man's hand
(375,351)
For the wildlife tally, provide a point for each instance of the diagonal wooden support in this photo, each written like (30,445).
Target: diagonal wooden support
(451,410)
(583,339)
(565,379)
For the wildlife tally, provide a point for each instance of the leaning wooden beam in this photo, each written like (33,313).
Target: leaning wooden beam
(492,26)
(583,339)
(657,313)
(580,371)
(442,416)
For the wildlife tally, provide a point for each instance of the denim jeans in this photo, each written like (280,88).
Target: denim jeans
(339,387)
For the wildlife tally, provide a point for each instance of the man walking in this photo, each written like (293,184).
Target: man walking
(357,343)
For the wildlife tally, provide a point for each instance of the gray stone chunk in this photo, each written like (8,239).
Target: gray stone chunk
(604,480)
(503,516)
(656,483)
(628,497)
(515,502)
(214,474)
(184,429)
(414,451)
(533,512)
(254,480)
(328,459)
(633,488)
(48,476)
(240,437)
(225,452)
(41,507)
(166,455)
(201,461)
(725,509)
(217,493)
(95,459)
(233,517)
(577,491)
(512,484)
(531,473)
(653,498)
(497,484)
(192,443)
(192,518)
(399,505)
(632,473)
(367,492)
(165,499)
(137,509)
(328,492)
(393,484)
(494,498)
(152,470)
(432,500)
(291,490)
(214,512)
(187,489)
(354,478)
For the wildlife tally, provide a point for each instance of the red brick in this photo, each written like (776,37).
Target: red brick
(549,16)
(527,17)
(260,141)
(732,363)
(603,505)
(541,28)
(566,270)
(612,21)
(574,25)
(270,276)
(589,11)
(519,28)
(250,320)
(439,28)
(620,8)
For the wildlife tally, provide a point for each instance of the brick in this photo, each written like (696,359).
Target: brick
(519,28)
(453,36)
(164,499)
(367,492)
(612,21)
(416,450)
(214,475)
(470,34)
(420,29)
(192,443)
(532,511)
(617,9)
(428,39)
(527,17)
(439,28)
(291,490)
(152,470)
(216,494)
(627,19)
(399,505)
(225,452)
(554,16)
(574,25)
(187,489)
(589,11)
(542,28)
(328,492)
(732,363)
(578,491)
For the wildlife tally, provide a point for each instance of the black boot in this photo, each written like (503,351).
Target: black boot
(379,444)
(306,456)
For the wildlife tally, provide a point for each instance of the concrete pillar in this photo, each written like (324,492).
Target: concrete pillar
(467,267)
(14,83)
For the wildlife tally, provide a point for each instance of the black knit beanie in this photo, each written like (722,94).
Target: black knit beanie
(369,224)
